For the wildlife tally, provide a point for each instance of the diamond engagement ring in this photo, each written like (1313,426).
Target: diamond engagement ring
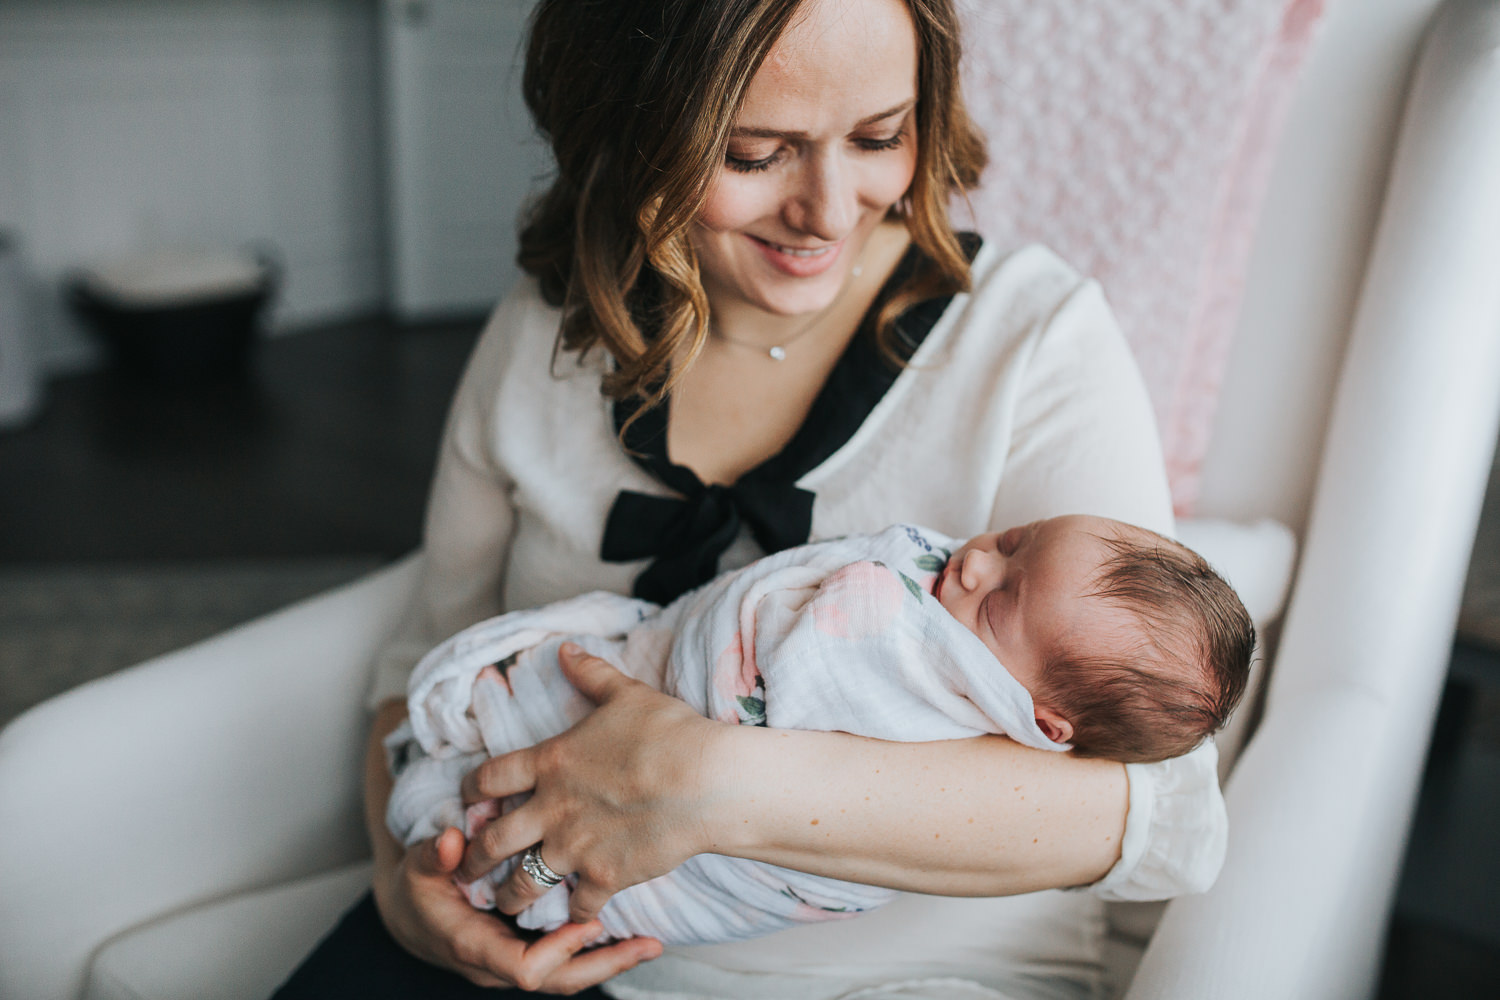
(533,865)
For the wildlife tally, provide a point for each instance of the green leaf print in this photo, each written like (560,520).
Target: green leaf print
(911,585)
(931,562)
(791,893)
(752,710)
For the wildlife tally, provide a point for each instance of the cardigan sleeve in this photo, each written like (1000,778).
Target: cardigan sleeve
(1085,441)
(470,513)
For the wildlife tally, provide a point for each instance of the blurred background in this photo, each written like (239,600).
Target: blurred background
(245,248)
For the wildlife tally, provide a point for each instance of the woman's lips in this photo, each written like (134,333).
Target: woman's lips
(800,262)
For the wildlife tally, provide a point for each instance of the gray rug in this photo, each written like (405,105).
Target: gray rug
(62,626)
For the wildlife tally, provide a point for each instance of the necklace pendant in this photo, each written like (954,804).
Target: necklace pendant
(777,353)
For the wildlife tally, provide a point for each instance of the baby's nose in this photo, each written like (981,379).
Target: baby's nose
(979,569)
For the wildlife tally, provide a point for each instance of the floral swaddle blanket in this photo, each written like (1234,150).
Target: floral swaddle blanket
(838,635)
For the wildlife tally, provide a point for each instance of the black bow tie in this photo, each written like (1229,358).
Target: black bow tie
(688,535)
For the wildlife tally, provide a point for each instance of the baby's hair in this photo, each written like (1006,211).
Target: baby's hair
(1178,685)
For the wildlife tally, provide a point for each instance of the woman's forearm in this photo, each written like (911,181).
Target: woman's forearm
(378,783)
(975,817)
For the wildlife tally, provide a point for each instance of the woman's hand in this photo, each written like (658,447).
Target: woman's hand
(428,915)
(619,798)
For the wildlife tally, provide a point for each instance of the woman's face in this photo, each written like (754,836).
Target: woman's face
(824,145)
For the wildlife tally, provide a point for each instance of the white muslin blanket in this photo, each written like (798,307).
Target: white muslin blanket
(839,635)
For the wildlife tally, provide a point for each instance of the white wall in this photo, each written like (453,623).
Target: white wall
(461,150)
(134,123)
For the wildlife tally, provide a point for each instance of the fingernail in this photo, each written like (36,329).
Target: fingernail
(570,649)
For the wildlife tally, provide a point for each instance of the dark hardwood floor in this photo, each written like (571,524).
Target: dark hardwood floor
(326,448)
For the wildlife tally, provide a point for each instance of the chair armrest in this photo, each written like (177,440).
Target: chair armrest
(231,764)
(1321,801)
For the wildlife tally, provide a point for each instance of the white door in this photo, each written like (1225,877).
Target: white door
(461,153)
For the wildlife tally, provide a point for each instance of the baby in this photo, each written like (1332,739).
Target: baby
(1073,633)
(1132,647)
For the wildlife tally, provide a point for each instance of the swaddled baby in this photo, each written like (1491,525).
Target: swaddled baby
(1073,633)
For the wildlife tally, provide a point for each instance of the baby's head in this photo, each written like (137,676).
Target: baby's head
(1132,647)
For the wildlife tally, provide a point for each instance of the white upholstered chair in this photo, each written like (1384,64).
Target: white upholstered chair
(190,826)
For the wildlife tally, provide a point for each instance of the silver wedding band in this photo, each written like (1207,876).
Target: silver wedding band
(533,865)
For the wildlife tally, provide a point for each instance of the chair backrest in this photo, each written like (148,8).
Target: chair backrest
(1135,139)
(1065,102)
(1307,267)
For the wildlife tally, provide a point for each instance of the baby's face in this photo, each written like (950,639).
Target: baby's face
(1024,592)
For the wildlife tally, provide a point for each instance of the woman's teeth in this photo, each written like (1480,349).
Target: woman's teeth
(795,252)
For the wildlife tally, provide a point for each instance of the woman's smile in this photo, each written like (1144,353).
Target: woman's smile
(800,262)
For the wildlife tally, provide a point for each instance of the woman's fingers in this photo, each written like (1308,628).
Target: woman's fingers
(440,855)
(498,777)
(499,839)
(428,915)
(595,966)
(546,955)
(587,899)
(520,890)
(596,678)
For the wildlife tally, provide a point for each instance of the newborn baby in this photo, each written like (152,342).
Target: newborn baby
(1131,646)
(1069,633)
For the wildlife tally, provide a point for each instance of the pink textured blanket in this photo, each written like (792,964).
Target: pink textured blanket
(1134,137)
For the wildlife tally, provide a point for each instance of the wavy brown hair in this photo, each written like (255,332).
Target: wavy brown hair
(620,89)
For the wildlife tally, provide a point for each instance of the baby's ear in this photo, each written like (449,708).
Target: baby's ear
(1053,726)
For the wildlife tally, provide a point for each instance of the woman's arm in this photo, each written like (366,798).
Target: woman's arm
(978,817)
(975,817)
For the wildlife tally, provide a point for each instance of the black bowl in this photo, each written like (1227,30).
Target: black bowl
(209,338)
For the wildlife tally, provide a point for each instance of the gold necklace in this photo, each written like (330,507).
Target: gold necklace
(777,352)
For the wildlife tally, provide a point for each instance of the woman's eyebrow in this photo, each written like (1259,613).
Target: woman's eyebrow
(751,132)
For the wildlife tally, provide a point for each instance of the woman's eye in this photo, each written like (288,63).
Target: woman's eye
(880,145)
(746,165)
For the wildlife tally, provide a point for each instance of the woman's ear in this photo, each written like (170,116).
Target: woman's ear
(1054,726)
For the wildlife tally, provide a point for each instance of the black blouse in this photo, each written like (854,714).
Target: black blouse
(689,532)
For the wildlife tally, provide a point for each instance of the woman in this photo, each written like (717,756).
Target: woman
(747,249)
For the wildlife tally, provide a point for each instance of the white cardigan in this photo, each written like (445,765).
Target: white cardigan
(1022,402)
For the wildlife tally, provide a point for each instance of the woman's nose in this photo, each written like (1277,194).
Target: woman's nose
(826,203)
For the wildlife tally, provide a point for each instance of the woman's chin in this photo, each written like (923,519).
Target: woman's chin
(799,297)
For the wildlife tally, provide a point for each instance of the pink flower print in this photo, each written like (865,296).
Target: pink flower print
(858,601)
(799,907)
(499,673)
(738,688)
